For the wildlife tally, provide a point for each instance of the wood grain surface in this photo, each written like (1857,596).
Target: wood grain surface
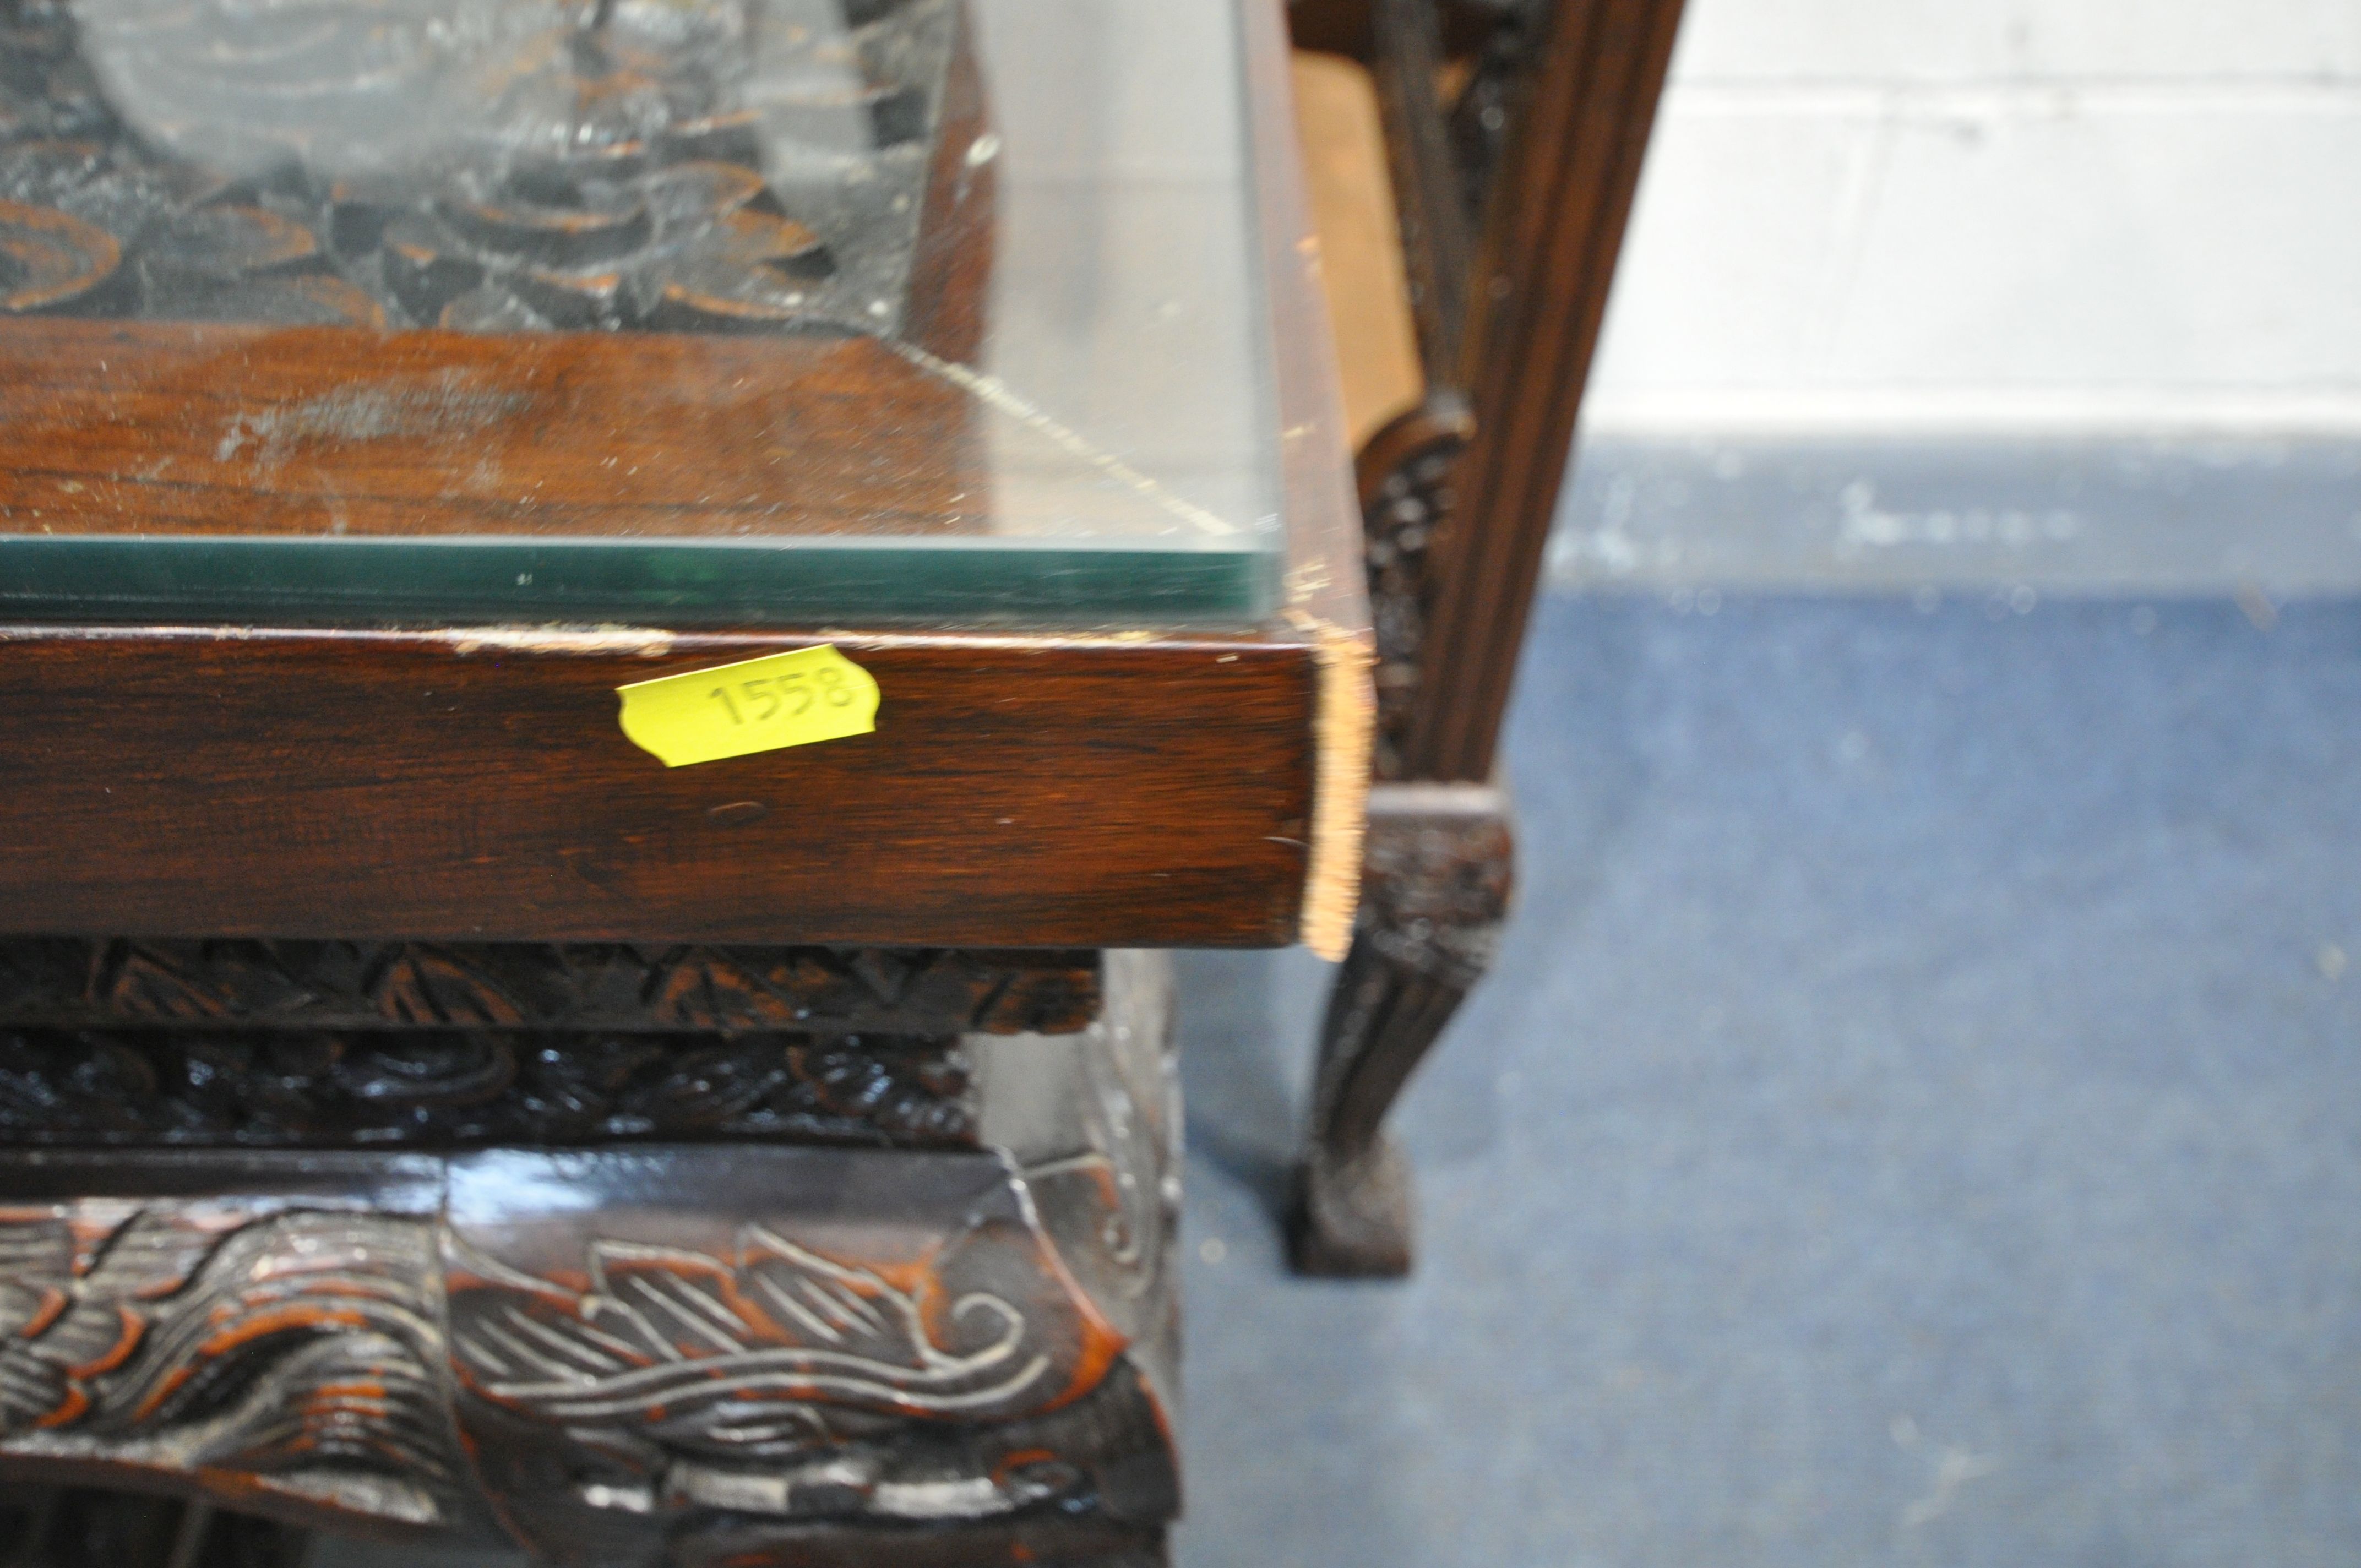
(143,427)
(1019,792)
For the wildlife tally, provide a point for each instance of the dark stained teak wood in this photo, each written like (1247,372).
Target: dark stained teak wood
(611,988)
(1555,214)
(895,1350)
(195,429)
(474,785)
(1435,890)
(1513,196)
(423,1114)
(406,778)
(246,313)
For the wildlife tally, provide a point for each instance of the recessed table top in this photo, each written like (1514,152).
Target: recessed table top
(386,383)
(717,311)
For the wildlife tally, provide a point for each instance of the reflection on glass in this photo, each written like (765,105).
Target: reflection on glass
(710,309)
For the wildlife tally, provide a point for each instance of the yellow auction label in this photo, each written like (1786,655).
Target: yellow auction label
(757,705)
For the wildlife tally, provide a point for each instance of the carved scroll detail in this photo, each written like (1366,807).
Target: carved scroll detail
(297,1349)
(611,1353)
(728,1355)
(908,1349)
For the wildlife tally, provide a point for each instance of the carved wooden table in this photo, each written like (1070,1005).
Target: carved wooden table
(424,1111)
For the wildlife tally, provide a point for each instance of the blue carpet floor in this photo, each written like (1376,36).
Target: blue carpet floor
(1915,1119)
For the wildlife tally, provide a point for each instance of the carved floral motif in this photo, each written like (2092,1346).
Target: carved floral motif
(77,983)
(261,1089)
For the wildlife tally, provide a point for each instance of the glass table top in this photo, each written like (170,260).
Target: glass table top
(683,311)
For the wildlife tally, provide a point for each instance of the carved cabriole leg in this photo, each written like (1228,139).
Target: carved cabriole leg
(1436,884)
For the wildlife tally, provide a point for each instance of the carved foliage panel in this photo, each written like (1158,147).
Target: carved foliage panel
(74,982)
(684,1350)
(613,1353)
(262,1089)
(295,1347)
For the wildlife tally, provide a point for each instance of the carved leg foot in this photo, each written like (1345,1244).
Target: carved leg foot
(1435,883)
(1352,1222)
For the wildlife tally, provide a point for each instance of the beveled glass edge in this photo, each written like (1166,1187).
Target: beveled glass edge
(361,582)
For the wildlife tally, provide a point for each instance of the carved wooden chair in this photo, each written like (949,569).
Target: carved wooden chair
(1472,164)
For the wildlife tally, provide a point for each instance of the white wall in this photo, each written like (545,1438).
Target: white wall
(1997,215)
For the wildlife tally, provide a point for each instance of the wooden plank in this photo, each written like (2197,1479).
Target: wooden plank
(474,785)
(149,427)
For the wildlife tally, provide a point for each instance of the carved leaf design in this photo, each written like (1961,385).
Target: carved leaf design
(680,1338)
(432,986)
(699,989)
(141,979)
(852,1305)
(232,1340)
(60,982)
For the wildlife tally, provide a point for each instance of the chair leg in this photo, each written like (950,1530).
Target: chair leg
(1435,883)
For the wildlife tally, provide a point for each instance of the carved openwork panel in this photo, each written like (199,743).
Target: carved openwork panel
(483,165)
